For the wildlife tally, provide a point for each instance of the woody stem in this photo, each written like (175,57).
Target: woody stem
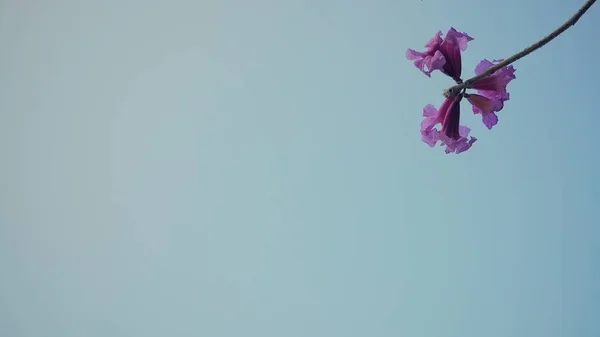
(453,91)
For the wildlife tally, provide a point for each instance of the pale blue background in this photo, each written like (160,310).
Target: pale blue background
(254,168)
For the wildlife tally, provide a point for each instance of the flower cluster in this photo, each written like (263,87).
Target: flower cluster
(444,54)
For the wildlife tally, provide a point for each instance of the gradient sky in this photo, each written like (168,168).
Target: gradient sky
(254,168)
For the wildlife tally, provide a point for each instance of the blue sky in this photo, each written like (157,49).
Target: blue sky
(254,168)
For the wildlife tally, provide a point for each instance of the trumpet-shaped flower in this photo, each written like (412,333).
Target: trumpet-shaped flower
(442,54)
(453,135)
(491,92)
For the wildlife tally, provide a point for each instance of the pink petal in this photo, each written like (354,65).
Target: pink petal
(489,119)
(484,104)
(412,54)
(429,110)
(461,38)
(430,137)
(483,66)
(435,40)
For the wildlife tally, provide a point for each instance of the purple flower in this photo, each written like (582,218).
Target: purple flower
(443,55)
(453,135)
(491,92)
(453,44)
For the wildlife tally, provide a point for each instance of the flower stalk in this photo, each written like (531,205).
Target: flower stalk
(457,89)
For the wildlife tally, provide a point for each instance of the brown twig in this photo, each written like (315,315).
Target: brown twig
(455,90)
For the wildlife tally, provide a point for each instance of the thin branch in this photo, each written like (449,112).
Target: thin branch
(455,90)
